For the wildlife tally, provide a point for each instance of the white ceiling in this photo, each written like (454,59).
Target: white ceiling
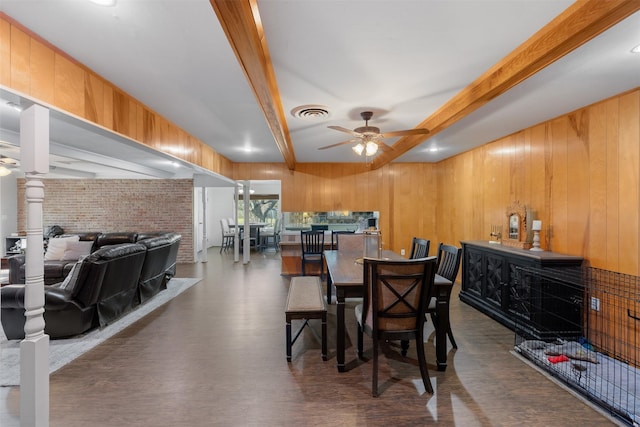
(401,59)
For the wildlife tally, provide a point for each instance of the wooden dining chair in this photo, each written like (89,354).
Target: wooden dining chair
(419,248)
(395,298)
(227,235)
(448,265)
(352,242)
(312,245)
(335,235)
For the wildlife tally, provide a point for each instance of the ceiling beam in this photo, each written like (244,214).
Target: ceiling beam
(579,23)
(241,22)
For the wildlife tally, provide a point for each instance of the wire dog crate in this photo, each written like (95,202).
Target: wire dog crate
(597,350)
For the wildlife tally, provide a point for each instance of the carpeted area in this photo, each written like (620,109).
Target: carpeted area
(63,351)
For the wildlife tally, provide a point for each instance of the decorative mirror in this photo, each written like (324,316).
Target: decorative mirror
(516,226)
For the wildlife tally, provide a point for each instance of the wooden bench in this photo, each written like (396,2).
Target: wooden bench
(305,302)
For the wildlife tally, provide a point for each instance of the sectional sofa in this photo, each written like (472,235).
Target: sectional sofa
(98,288)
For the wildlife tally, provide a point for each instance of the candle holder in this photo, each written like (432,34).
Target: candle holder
(536,227)
(495,235)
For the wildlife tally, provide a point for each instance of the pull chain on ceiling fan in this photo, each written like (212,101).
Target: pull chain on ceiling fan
(368,139)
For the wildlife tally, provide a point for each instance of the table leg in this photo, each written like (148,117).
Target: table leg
(340,307)
(442,312)
(329,286)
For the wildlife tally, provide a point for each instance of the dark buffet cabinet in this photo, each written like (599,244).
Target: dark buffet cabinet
(490,274)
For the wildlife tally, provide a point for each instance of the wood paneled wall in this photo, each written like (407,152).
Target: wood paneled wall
(403,193)
(579,174)
(34,68)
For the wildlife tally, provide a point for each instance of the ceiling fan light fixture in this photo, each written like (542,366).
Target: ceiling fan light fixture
(371,148)
(4,171)
(358,148)
(636,49)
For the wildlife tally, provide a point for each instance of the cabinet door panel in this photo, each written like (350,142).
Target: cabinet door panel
(475,262)
(492,291)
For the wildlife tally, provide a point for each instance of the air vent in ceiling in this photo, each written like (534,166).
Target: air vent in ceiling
(314,112)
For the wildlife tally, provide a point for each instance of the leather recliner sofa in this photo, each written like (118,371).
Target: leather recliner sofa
(159,264)
(102,287)
(56,270)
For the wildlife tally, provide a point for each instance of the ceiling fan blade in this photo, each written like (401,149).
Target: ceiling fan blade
(383,146)
(345,130)
(405,132)
(338,144)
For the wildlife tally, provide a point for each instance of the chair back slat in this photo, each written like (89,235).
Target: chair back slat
(312,242)
(419,248)
(449,261)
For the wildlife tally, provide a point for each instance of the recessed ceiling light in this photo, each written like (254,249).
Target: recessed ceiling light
(636,49)
(109,3)
(433,149)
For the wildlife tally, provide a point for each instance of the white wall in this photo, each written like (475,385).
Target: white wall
(219,205)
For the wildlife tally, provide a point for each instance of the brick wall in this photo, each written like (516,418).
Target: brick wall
(110,205)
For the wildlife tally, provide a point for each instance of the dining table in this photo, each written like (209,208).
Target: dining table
(345,273)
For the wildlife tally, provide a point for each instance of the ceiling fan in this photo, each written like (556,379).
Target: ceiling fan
(369,138)
(6,164)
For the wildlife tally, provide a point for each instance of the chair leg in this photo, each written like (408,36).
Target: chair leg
(404,347)
(434,319)
(374,385)
(422,361)
(360,341)
(288,337)
(450,334)
(324,336)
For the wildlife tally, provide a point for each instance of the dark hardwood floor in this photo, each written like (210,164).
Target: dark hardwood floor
(215,355)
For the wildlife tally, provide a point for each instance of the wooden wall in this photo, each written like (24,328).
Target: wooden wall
(579,173)
(34,68)
(403,193)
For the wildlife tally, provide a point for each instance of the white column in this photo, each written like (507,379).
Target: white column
(34,349)
(203,254)
(236,228)
(246,197)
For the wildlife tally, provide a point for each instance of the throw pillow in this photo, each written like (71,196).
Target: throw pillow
(77,250)
(57,246)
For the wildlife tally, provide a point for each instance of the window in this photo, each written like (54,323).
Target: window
(263,208)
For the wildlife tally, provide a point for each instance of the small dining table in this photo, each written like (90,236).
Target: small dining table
(347,276)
